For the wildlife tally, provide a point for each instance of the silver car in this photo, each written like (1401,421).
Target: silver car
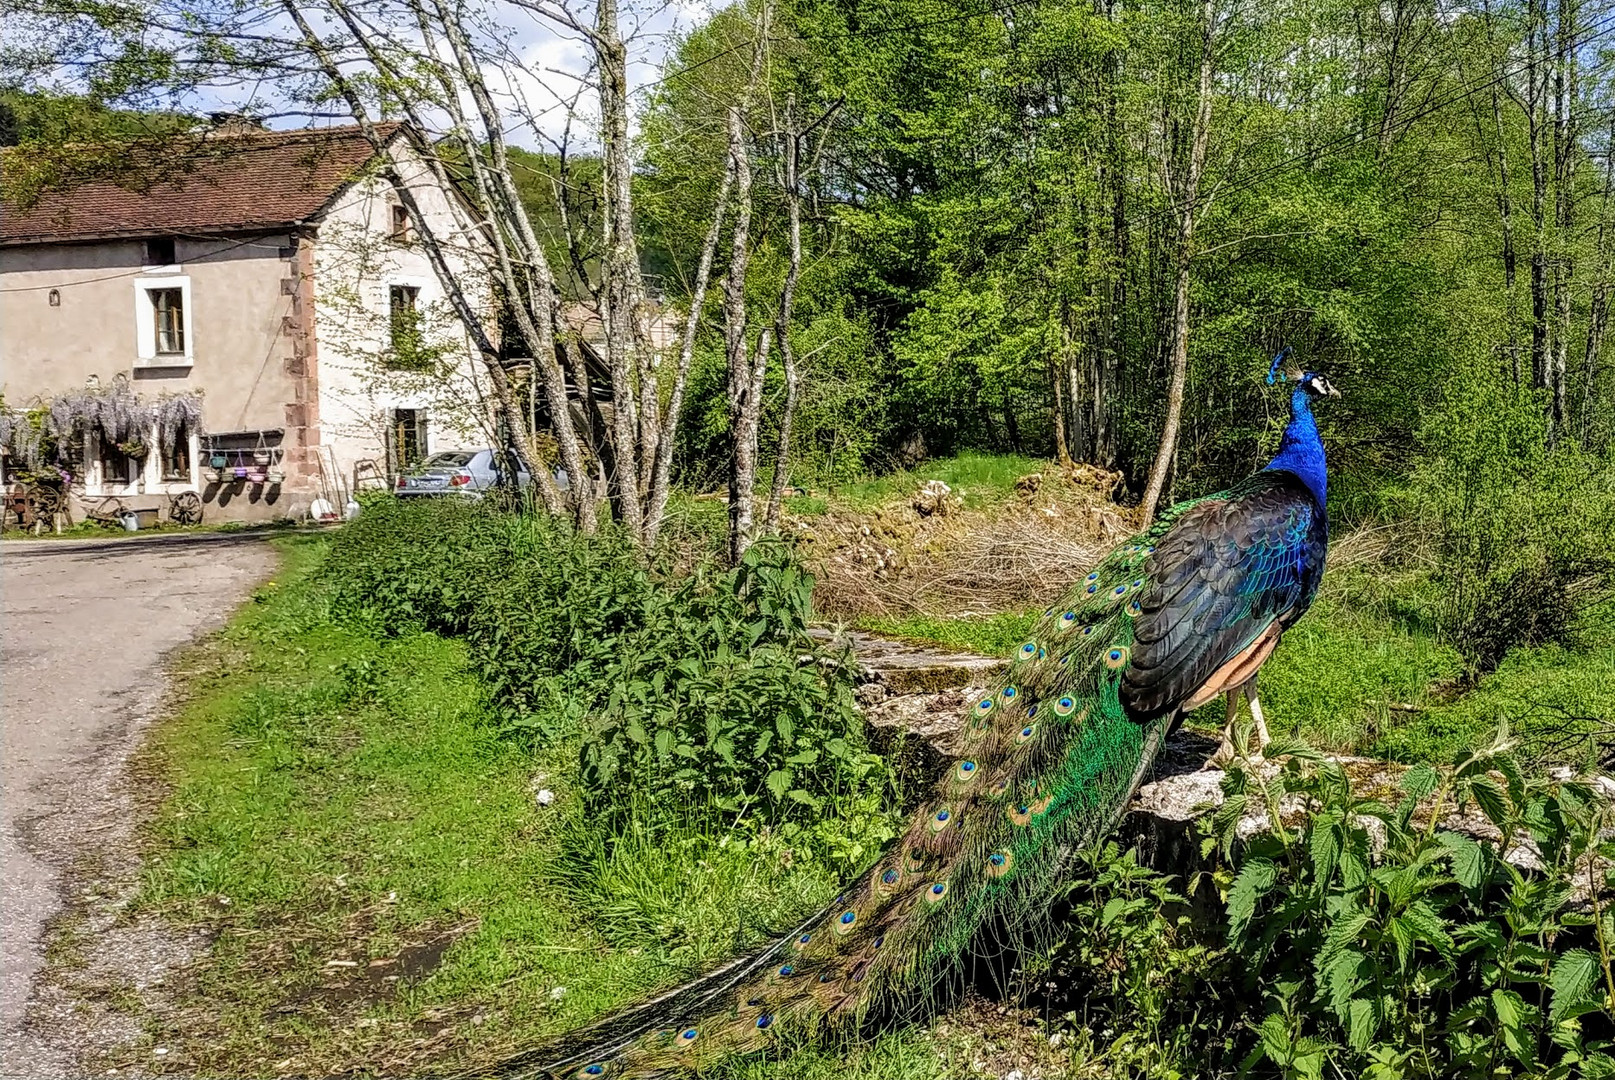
(468,473)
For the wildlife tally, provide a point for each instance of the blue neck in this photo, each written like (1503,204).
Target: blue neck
(1301,451)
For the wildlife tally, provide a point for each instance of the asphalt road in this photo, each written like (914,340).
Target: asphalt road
(85,627)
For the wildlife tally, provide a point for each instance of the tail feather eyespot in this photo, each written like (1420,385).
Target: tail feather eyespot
(1000,863)
(1065,706)
(1028,651)
(1117,657)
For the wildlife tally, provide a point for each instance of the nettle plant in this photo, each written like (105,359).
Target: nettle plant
(723,708)
(1383,945)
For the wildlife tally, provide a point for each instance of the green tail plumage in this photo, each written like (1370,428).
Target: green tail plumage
(1049,763)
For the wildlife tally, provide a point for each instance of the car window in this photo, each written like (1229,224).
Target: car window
(449,459)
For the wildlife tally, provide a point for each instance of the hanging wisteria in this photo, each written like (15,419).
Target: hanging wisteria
(179,416)
(56,431)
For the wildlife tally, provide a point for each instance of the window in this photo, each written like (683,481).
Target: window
(164,330)
(406,317)
(160,251)
(116,466)
(168,321)
(406,438)
(176,463)
(398,222)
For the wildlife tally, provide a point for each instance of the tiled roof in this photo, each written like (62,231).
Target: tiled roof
(200,184)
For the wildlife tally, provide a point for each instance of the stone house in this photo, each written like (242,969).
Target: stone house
(277,276)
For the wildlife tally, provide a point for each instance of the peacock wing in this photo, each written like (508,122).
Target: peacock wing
(1222,574)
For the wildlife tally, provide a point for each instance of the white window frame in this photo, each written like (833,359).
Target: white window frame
(146,354)
(147,474)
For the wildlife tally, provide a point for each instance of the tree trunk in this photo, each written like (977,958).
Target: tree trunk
(1565,152)
(1062,449)
(1539,195)
(622,295)
(742,403)
(1598,315)
(790,149)
(661,480)
(1505,213)
(1187,198)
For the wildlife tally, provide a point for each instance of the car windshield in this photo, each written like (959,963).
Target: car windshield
(450,459)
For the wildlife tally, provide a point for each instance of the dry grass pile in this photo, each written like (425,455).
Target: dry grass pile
(929,553)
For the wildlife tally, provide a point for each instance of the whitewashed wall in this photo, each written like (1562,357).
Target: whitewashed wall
(355,264)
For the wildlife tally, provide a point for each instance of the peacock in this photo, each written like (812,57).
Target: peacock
(1177,615)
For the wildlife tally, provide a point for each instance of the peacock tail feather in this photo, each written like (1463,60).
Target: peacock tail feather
(1049,760)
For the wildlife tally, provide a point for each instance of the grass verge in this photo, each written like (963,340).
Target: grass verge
(384,884)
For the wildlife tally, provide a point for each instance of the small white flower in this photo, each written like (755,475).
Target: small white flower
(558,993)
(160,1051)
(545,796)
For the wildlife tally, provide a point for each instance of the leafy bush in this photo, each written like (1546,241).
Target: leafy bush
(1389,947)
(1521,534)
(721,702)
(1362,939)
(694,697)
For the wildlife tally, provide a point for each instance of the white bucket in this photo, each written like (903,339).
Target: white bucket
(131,521)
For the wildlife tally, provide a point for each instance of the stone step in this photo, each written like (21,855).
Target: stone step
(915,700)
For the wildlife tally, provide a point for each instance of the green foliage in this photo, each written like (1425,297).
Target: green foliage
(721,702)
(1362,938)
(343,794)
(1523,534)
(699,701)
(1148,978)
(1383,945)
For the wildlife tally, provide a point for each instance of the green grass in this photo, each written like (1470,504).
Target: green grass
(988,635)
(335,797)
(1363,673)
(981,480)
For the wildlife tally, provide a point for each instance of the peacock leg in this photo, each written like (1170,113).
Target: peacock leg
(1262,737)
(1225,749)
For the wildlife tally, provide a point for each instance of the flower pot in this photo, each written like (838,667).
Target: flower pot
(277,476)
(218,461)
(257,476)
(239,472)
(212,476)
(260,457)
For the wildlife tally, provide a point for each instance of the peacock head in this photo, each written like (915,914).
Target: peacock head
(1312,383)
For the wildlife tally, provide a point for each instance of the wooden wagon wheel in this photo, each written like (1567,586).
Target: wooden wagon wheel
(185,509)
(44,501)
